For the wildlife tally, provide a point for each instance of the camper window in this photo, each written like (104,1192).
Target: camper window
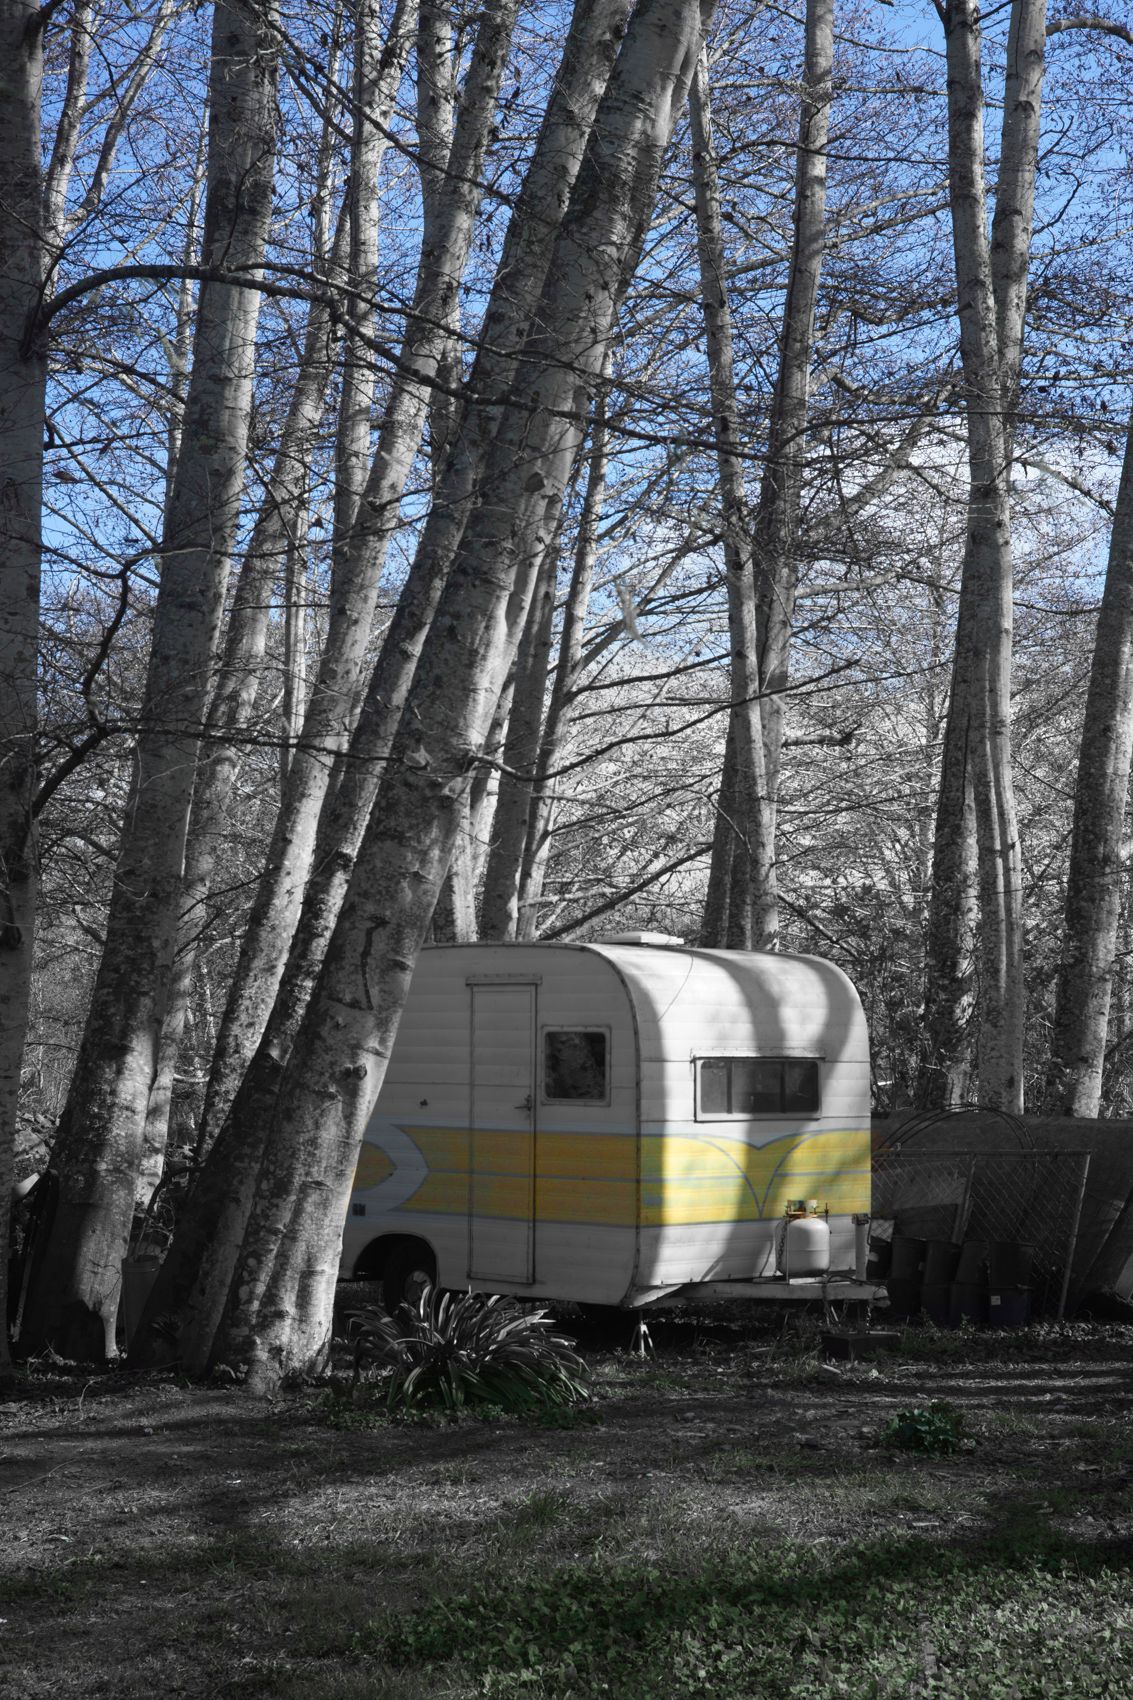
(756,1086)
(575,1065)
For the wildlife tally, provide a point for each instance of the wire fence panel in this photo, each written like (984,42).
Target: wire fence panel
(1028,1197)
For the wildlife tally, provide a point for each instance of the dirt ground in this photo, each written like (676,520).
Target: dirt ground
(185,1540)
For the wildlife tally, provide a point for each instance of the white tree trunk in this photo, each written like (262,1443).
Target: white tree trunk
(279,1314)
(753,919)
(976,765)
(195,1279)
(567,672)
(23,377)
(1094,878)
(99,1148)
(499,912)
(333,707)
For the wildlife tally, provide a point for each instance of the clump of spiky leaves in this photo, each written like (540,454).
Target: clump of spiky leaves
(449,1351)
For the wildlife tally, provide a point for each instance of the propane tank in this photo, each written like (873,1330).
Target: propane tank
(804,1239)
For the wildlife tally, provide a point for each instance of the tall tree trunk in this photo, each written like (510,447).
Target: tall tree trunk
(195,1279)
(780,495)
(277,536)
(333,707)
(499,914)
(279,1317)
(74,1303)
(378,69)
(753,921)
(23,379)
(977,784)
(1093,885)
(742,899)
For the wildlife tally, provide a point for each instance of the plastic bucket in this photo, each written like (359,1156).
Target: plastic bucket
(936,1302)
(1010,1308)
(1009,1264)
(969,1302)
(904,1298)
(907,1261)
(971,1267)
(940,1260)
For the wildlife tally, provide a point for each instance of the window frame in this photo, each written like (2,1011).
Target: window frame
(781,1114)
(574,1027)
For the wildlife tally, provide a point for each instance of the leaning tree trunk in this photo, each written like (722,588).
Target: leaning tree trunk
(753,904)
(195,1278)
(977,784)
(1094,879)
(333,708)
(282,1291)
(568,668)
(74,1303)
(23,379)
(276,537)
(499,911)
(279,1313)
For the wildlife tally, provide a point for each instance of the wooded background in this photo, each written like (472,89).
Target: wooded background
(520,473)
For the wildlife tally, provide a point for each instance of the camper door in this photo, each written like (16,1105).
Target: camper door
(502,1120)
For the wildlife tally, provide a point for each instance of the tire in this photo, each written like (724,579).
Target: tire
(407,1270)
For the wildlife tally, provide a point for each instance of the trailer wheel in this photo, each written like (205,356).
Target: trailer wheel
(408,1269)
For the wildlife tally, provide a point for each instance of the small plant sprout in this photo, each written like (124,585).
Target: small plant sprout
(934,1429)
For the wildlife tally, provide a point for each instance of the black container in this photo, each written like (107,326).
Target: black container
(936,1302)
(969,1302)
(971,1268)
(1009,1307)
(1009,1264)
(880,1257)
(907,1260)
(941,1258)
(904,1299)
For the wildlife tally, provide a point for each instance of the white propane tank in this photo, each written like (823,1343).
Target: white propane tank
(804,1243)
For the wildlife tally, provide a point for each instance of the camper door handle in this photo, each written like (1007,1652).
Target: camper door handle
(526,1104)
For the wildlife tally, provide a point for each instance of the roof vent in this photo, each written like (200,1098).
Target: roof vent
(639,938)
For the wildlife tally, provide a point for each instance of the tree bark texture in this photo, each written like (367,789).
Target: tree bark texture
(780,494)
(976,768)
(195,1279)
(335,697)
(277,539)
(568,668)
(1093,887)
(279,1313)
(499,912)
(23,380)
(749,833)
(74,1303)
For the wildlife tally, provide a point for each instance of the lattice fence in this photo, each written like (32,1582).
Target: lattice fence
(1030,1196)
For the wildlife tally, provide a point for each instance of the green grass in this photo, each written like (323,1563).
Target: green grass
(1025,1614)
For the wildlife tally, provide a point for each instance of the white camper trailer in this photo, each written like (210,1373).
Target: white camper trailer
(612,1123)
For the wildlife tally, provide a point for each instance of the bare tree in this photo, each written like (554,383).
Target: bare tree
(24,258)
(281,1291)
(1093,886)
(74,1303)
(977,783)
(744,844)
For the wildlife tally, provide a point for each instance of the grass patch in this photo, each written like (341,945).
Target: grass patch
(1009,1618)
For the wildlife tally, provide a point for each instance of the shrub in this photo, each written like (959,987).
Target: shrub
(451,1351)
(935,1428)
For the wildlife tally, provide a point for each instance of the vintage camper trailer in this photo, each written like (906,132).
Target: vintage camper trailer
(613,1123)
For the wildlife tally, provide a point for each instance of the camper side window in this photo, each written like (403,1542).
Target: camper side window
(756,1086)
(575,1065)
